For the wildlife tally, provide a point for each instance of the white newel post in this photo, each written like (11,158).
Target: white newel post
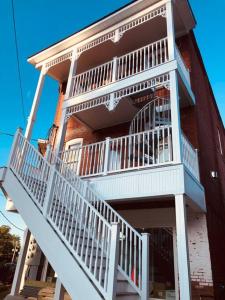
(19,272)
(59,290)
(182,248)
(36,101)
(113,261)
(170,30)
(175,118)
(145,266)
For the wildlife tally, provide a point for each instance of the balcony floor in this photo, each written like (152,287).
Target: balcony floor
(148,184)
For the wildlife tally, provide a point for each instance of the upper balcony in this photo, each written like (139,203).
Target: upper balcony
(132,45)
(135,62)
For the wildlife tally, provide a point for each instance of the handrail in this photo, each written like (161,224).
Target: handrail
(77,222)
(130,265)
(79,216)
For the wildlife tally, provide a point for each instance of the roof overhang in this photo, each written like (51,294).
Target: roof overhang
(185,13)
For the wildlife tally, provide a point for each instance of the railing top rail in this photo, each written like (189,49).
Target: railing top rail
(120,137)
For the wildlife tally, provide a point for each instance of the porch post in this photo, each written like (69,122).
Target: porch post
(59,290)
(145,266)
(175,118)
(170,30)
(182,248)
(72,72)
(36,101)
(19,272)
(63,121)
(176,277)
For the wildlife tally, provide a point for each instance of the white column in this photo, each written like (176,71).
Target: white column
(170,29)
(176,277)
(59,290)
(113,262)
(63,122)
(175,118)
(36,101)
(182,248)
(19,272)
(72,72)
(145,266)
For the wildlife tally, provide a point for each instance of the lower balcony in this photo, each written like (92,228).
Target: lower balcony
(139,165)
(143,150)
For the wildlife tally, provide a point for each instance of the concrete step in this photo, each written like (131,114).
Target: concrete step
(127,296)
(124,286)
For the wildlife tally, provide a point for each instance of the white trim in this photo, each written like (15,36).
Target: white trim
(81,37)
(74,142)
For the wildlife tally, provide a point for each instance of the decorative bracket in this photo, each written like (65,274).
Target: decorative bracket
(113,102)
(117,36)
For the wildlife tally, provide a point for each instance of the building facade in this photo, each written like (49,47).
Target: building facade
(125,200)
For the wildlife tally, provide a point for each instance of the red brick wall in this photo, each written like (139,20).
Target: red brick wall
(205,133)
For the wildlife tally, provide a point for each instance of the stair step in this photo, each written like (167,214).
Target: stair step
(127,296)
(123,286)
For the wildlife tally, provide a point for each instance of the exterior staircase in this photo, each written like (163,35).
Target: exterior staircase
(94,251)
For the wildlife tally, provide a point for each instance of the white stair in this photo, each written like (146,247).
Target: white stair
(96,253)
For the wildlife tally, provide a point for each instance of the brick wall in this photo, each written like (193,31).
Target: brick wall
(199,255)
(208,121)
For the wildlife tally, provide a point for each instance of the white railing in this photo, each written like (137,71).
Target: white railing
(181,63)
(122,67)
(134,151)
(190,157)
(92,79)
(142,59)
(81,219)
(77,222)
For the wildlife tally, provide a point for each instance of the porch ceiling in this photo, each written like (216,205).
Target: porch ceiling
(100,117)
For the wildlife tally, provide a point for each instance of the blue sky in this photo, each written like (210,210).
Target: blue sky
(43,22)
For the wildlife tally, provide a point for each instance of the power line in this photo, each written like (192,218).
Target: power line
(18,63)
(12,135)
(10,221)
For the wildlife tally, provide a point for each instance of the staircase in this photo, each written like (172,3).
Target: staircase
(94,251)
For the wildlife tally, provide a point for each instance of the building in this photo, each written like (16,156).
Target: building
(126,198)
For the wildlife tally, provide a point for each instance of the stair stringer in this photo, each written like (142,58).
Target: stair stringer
(65,265)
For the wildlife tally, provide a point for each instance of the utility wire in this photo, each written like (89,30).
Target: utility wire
(18,63)
(10,221)
(12,135)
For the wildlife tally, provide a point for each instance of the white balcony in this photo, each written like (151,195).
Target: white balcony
(133,63)
(148,149)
